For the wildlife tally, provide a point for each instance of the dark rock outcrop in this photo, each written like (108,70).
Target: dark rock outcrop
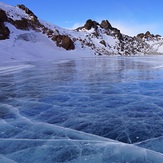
(157,35)
(106,25)
(33,22)
(103,42)
(148,36)
(4,31)
(3,16)
(64,41)
(140,35)
(25,24)
(117,32)
(28,11)
(21,24)
(91,24)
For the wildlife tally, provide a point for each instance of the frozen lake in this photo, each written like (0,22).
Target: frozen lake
(119,98)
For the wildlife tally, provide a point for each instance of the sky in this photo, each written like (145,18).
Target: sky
(130,16)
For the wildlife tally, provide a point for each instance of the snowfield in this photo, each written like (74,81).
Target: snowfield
(30,45)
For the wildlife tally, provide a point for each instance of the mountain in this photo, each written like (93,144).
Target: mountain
(24,36)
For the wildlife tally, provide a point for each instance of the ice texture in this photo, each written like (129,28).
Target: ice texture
(71,151)
(155,144)
(82,110)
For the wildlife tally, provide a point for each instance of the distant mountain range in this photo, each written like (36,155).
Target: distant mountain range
(21,24)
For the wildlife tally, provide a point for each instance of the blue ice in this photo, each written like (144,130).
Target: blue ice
(103,109)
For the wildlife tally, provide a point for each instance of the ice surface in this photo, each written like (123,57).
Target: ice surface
(67,111)
(155,144)
(71,151)
(6,160)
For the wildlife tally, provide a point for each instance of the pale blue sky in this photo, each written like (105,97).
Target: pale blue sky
(130,16)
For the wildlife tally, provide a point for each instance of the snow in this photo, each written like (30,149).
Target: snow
(43,48)
(14,13)
(31,45)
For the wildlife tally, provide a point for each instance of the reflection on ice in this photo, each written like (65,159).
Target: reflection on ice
(46,109)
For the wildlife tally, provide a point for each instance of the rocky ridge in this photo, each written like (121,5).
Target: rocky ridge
(32,22)
(100,38)
(114,42)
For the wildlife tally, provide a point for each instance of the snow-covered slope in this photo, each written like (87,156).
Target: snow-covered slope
(24,37)
(32,45)
(29,41)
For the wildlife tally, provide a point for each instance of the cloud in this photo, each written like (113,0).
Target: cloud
(133,29)
(128,28)
(76,25)
(73,26)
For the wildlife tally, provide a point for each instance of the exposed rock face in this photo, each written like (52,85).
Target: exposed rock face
(91,24)
(32,23)
(106,25)
(28,11)
(3,16)
(4,31)
(118,33)
(148,36)
(21,24)
(140,35)
(119,43)
(64,42)
(25,24)
(103,42)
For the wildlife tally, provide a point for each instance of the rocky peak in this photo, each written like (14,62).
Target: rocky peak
(91,24)
(31,22)
(148,36)
(25,24)
(102,39)
(106,25)
(28,11)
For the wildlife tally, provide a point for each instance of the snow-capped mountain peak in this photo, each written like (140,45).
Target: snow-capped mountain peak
(20,23)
